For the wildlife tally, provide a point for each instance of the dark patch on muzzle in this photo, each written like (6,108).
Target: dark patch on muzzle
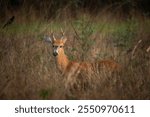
(55,54)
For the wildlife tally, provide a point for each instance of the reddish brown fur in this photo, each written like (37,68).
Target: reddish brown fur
(72,67)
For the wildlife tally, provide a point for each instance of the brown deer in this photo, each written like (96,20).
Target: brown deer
(71,69)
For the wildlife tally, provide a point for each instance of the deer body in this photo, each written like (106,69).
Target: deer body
(65,65)
(71,69)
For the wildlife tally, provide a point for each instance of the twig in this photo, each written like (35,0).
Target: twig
(75,31)
(148,49)
(10,21)
(135,47)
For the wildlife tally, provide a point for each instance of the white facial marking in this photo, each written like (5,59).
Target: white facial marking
(56,50)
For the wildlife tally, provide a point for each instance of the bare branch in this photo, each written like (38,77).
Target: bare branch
(135,47)
(75,31)
(148,49)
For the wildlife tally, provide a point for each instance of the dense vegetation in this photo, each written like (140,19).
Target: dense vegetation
(96,30)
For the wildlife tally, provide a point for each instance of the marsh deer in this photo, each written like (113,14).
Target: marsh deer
(71,69)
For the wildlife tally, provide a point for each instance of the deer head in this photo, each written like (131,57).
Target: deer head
(57,44)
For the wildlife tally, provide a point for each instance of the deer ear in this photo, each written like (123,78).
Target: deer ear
(48,39)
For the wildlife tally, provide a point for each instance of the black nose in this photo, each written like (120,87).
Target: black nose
(55,54)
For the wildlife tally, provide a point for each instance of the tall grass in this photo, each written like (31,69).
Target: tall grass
(28,69)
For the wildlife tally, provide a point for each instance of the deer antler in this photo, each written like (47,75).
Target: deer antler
(63,33)
(53,36)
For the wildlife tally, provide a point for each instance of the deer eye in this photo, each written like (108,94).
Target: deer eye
(61,46)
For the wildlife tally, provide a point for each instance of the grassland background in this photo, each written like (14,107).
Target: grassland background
(28,69)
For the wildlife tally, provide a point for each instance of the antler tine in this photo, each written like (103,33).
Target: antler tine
(53,36)
(63,33)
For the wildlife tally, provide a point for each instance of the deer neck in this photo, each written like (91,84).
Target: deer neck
(62,61)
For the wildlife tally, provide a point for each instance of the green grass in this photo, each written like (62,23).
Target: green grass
(123,33)
(82,26)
